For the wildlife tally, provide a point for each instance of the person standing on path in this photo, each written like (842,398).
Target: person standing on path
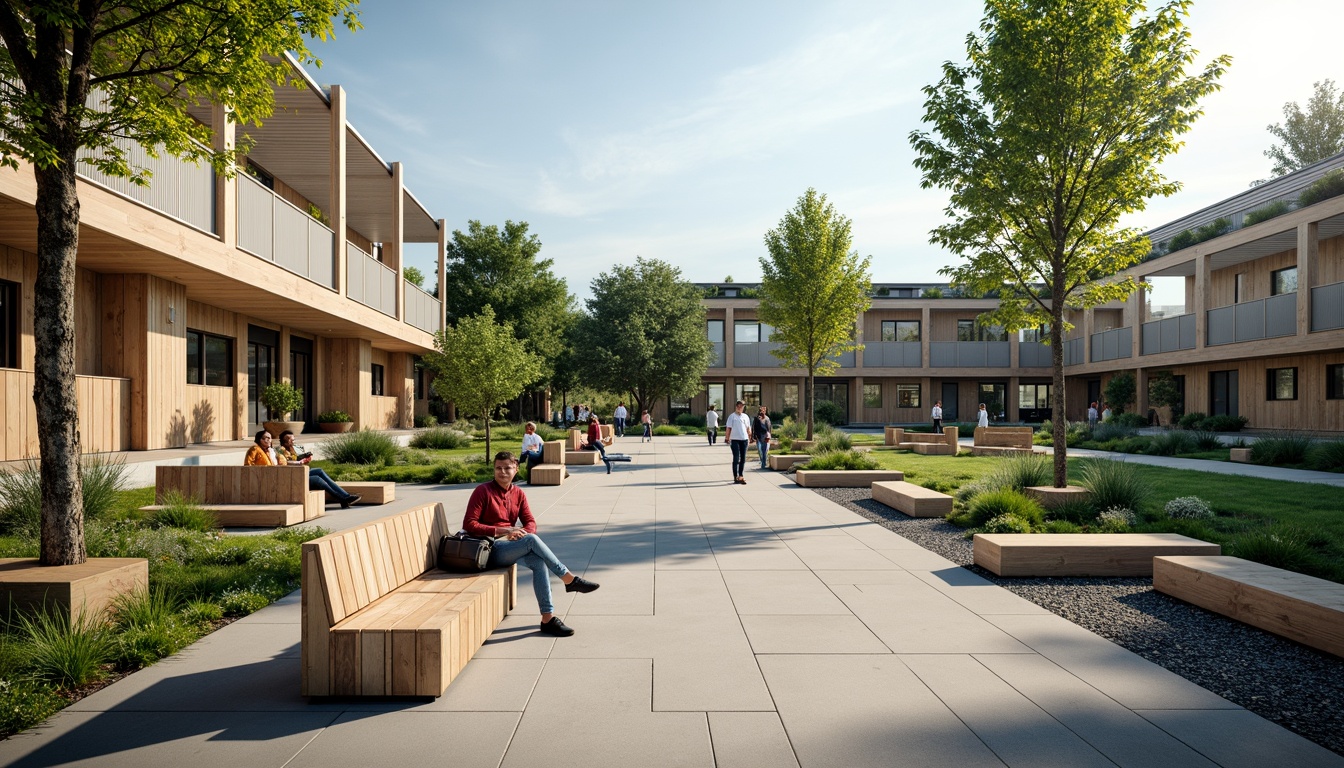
(938,417)
(738,434)
(1092,414)
(982,419)
(620,416)
(647,421)
(712,424)
(498,510)
(760,429)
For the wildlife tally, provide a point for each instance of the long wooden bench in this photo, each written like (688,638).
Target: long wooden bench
(996,441)
(1081,554)
(551,470)
(844,478)
(785,461)
(1299,607)
(925,443)
(378,619)
(913,500)
(243,497)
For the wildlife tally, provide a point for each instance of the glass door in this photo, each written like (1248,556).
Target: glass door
(949,402)
(995,397)
(263,368)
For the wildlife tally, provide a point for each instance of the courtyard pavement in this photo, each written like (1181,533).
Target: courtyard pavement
(756,625)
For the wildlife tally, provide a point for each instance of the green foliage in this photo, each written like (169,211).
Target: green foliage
(202,613)
(150,627)
(181,511)
(1284,547)
(1309,135)
(830,440)
(933,293)
(1327,456)
(1073,512)
(1061,526)
(689,420)
(64,652)
(989,505)
(452,473)
(1117,520)
(827,412)
(103,480)
(428,420)
(790,428)
(334,417)
(1171,443)
(666,430)
(414,276)
(25,703)
(440,438)
(1206,440)
(366,446)
(1192,420)
(1281,449)
(1181,240)
(1114,484)
(1224,423)
(812,287)
(1266,212)
(1120,391)
(241,602)
(1188,508)
(1131,420)
(1163,393)
(1107,431)
(281,398)
(1328,186)
(843,460)
(1006,524)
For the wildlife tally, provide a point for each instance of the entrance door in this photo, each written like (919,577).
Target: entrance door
(834,392)
(994,396)
(301,372)
(1094,392)
(263,367)
(949,401)
(1223,395)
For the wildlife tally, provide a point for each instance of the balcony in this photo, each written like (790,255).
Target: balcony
(182,190)
(1327,307)
(1264,319)
(969,354)
(1073,352)
(422,309)
(1034,354)
(1170,334)
(754,354)
(1115,344)
(892,354)
(718,361)
(369,281)
(272,228)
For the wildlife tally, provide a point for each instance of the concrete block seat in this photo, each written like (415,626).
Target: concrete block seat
(996,441)
(913,500)
(1240,455)
(1302,608)
(784,461)
(243,497)
(1081,554)
(844,478)
(378,619)
(582,458)
(373,492)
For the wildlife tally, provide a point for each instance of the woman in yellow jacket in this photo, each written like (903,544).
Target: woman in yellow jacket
(263,454)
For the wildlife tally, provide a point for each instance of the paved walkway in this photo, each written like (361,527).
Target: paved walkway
(757,625)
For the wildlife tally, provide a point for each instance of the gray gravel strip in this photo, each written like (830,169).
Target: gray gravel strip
(1290,684)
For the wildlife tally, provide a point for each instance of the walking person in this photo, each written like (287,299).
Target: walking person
(760,429)
(499,510)
(738,434)
(712,424)
(620,416)
(938,417)
(982,419)
(647,421)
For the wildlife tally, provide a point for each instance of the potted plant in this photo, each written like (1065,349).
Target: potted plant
(335,421)
(282,398)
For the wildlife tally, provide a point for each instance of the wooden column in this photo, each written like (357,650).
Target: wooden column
(728,336)
(393,251)
(240,421)
(443,274)
(1011,396)
(1136,321)
(1308,247)
(226,187)
(337,214)
(1201,300)
(925,334)
(1141,391)
(1089,324)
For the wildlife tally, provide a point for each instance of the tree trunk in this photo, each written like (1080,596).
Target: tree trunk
(54,372)
(1058,424)
(488,456)
(811,401)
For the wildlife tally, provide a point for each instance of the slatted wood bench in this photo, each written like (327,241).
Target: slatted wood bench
(996,441)
(1302,608)
(551,470)
(243,497)
(371,492)
(913,500)
(1081,554)
(378,619)
(925,443)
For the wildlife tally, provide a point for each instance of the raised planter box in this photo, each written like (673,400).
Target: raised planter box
(803,445)
(783,461)
(1051,497)
(335,427)
(1081,554)
(913,500)
(87,589)
(844,478)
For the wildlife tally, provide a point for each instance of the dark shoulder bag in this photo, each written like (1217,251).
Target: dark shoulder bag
(461,553)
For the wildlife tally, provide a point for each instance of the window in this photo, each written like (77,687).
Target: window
(255,171)
(788,395)
(377,371)
(1334,382)
(907,395)
(714,394)
(9,324)
(677,407)
(965,330)
(970,330)
(900,330)
(1034,334)
(714,330)
(994,395)
(1033,395)
(209,359)
(419,379)
(1283,281)
(1282,384)
(750,394)
(1238,287)
(746,331)
(872,395)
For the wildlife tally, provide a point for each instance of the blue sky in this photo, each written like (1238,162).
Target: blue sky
(683,131)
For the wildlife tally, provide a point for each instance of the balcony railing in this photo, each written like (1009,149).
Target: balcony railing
(1264,319)
(754,354)
(969,354)
(892,354)
(369,281)
(1073,352)
(718,361)
(1169,334)
(1115,344)
(1034,354)
(180,189)
(1327,307)
(422,309)
(276,230)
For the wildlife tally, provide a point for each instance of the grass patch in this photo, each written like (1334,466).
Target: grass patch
(441,438)
(364,447)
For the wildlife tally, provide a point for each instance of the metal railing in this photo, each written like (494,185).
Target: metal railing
(1034,354)
(1074,352)
(178,188)
(892,354)
(1169,334)
(754,354)
(1263,319)
(1327,307)
(1115,344)
(422,308)
(369,281)
(969,354)
(274,229)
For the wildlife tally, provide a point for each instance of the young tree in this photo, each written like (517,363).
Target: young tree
(644,333)
(813,288)
(76,76)
(1309,135)
(480,364)
(1052,132)
(1120,391)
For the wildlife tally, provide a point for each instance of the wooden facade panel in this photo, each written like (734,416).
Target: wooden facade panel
(1255,284)
(1310,411)
(1330,261)
(209,413)
(103,406)
(204,317)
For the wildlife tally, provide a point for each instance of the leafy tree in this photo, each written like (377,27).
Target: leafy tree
(1120,391)
(813,288)
(480,364)
(140,65)
(1311,135)
(1051,133)
(644,333)
(414,275)
(1164,393)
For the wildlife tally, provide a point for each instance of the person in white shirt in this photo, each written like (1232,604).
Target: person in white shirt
(712,424)
(1092,414)
(738,428)
(620,416)
(982,420)
(938,417)
(531,453)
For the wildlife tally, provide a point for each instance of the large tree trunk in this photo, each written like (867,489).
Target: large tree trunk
(1059,427)
(54,372)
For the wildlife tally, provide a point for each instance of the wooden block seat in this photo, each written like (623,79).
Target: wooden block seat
(250,515)
(581,458)
(999,450)
(75,592)
(373,492)
(924,443)
(379,620)
(1240,455)
(783,461)
(913,500)
(931,449)
(1302,608)
(243,494)
(997,441)
(546,474)
(844,478)
(1081,554)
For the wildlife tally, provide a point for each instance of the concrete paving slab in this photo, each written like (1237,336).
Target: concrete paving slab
(974,592)
(917,559)
(517,637)
(943,625)
(201,684)
(843,576)
(750,740)
(691,594)
(460,739)
(1236,738)
(713,679)
(485,685)
(780,593)
(839,552)
(811,634)
(625,591)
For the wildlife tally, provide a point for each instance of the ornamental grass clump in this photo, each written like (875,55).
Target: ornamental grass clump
(1327,456)
(991,504)
(1206,440)
(1188,508)
(149,627)
(21,493)
(1283,547)
(841,460)
(1114,484)
(442,438)
(829,440)
(180,511)
(1108,431)
(666,430)
(364,447)
(64,652)
(1171,443)
(1281,449)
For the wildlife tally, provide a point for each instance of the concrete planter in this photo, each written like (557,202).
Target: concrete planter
(276,427)
(844,478)
(1051,497)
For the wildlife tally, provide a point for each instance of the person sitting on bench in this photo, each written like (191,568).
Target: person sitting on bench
(532,448)
(264,455)
(595,441)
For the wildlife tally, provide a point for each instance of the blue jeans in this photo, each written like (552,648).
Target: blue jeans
(528,458)
(319,480)
(713,434)
(620,427)
(648,433)
(597,447)
(533,553)
(739,448)
(763,447)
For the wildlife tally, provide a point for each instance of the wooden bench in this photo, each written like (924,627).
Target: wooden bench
(1240,455)
(582,458)
(371,492)
(784,461)
(913,500)
(243,497)
(1302,608)
(844,478)
(925,443)
(1081,554)
(996,441)
(378,619)
(551,470)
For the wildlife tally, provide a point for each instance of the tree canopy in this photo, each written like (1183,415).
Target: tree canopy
(644,333)
(813,288)
(1051,132)
(1309,135)
(78,76)
(480,364)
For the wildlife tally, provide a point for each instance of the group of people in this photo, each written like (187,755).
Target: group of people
(582,414)
(981,416)
(263,453)
(739,432)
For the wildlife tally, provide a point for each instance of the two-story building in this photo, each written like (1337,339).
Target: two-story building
(195,292)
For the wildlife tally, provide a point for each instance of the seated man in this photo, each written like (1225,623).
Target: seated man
(532,448)
(263,454)
(499,510)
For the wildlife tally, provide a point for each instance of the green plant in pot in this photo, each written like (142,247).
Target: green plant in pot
(281,399)
(335,421)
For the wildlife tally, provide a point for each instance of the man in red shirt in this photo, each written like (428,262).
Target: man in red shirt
(499,510)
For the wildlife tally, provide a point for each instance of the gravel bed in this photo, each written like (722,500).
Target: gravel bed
(1282,681)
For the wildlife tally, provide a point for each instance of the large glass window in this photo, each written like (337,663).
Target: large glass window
(746,331)
(749,394)
(971,330)
(714,330)
(419,379)
(1033,395)
(788,396)
(966,330)
(9,324)
(209,359)
(872,395)
(994,396)
(714,395)
(900,330)
(907,395)
(1034,334)
(1334,382)
(1282,384)
(677,407)
(1283,281)
(263,367)
(377,371)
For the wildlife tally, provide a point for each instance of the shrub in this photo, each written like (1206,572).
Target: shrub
(1206,440)
(1061,526)
(1188,508)
(1133,420)
(1281,548)
(1224,423)
(1118,517)
(1183,239)
(1016,471)
(281,398)
(1219,226)
(1112,431)
(666,430)
(428,420)
(991,504)
(828,412)
(1191,420)
(452,473)
(831,440)
(1171,443)
(1266,212)
(63,652)
(1285,448)
(840,460)
(363,447)
(440,438)
(689,420)
(791,428)
(340,417)
(1327,456)
(1324,188)
(184,512)
(1006,524)
(25,703)
(1120,391)
(1114,484)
